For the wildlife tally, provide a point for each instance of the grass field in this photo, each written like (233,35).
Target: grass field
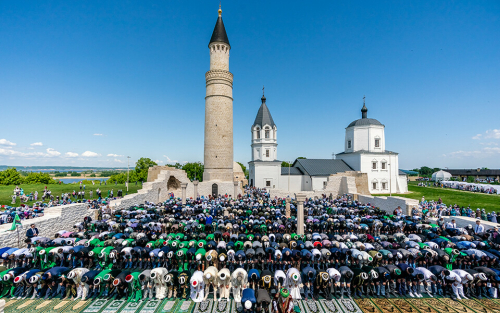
(451,197)
(6,192)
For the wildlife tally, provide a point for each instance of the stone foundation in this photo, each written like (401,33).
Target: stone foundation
(54,220)
(171,180)
(389,204)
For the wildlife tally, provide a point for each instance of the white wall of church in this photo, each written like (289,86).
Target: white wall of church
(319,182)
(260,152)
(380,179)
(353,160)
(364,138)
(260,173)
(291,182)
(403,184)
(264,143)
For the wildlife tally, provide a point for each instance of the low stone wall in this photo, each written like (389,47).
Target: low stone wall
(54,219)
(389,204)
(463,221)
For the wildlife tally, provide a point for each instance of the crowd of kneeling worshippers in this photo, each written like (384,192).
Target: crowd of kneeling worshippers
(247,249)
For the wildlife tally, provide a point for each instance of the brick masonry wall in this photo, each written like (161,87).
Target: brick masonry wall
(55,219)
(389,204)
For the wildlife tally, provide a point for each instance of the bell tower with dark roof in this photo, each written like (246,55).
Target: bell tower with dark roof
(264,135)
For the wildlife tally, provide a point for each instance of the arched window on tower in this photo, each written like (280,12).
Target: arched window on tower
(267,132)
(258,132)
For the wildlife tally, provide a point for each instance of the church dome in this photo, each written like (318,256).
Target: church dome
(364,120)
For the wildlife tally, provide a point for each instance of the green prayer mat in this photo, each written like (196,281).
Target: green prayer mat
(222,306)
(185,306)
(330,306)
(204,306)
(114,306)
(151,306)
(96,306)
(169,306)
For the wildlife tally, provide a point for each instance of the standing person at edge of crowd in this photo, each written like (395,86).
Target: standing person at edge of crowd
(30,233)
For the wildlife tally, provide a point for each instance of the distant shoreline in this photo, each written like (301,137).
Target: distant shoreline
(80,177)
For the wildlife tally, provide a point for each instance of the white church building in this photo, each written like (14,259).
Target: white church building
(364,152)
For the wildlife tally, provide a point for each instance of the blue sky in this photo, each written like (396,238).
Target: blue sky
(89,82)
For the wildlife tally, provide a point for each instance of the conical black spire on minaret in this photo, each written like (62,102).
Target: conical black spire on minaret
(219,34)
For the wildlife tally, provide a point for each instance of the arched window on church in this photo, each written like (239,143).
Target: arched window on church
(267,133)
(258,133)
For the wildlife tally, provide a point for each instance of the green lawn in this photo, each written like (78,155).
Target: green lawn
(452,196)
(6,192)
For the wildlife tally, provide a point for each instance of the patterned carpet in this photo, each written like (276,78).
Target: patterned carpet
(373,305)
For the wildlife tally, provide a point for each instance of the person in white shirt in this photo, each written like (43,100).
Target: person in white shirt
(465,278)
(478,228)
(334,279)
(429,278)
(456,284)
(452,224)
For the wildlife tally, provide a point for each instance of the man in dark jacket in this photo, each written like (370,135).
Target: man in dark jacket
(30,233)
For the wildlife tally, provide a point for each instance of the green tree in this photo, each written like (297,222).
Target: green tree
(10,176)
(38,178)
(119,178)
(109,173)
(286,164)
(301,158)
(176,165)
(194,170)
(244,168)
(141,168)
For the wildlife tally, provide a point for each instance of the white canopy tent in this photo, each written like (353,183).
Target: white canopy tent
(441,176)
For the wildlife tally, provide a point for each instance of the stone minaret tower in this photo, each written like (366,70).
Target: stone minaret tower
(219,109)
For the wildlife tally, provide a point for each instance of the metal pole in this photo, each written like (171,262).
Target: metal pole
(128,168)
(289,176)
(390,176)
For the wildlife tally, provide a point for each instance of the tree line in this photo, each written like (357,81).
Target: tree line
(12,176)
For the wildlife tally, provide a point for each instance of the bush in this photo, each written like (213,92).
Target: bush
(61,174)
(74,174)
(120,178)
(38,178)
(92,175)
(10,176)
(108,173)
(88,182)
